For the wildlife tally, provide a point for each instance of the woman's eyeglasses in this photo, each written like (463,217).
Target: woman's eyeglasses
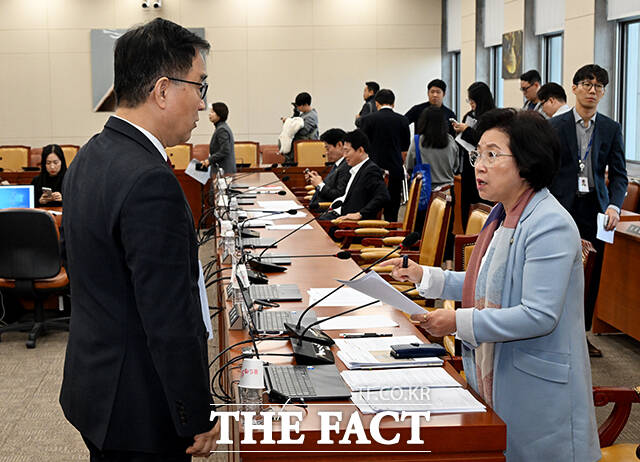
(488,157)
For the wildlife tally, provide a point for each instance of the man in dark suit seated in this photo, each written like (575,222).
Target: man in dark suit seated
(365,194)
(136,376)
(335,182)
(591,143)
(389,135)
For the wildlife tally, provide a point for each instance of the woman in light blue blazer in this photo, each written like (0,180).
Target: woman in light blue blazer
(521,322)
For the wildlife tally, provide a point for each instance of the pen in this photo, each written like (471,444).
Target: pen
(405,261)
(365,334)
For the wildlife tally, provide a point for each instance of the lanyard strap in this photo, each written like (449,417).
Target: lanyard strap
(586,154)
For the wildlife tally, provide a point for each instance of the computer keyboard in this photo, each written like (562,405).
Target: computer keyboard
(292,381)
(263,292)
(273,321)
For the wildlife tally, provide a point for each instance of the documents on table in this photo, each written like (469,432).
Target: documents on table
(373,285)
(359,322)
(279,205)
(415,377)
(256,223)
(288,227)
(200,177)
(603,234)
(434,400)
(253,214)
(343,297)
(374,352)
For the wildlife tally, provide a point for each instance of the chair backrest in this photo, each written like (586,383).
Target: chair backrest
(247,152)
(70,151)
(632,199)
(434,232)
(200,152)
(411,212)
(180,155)
(309,153)
(269,154)
(14,157)
(29,244)
(588,260)
(478,214)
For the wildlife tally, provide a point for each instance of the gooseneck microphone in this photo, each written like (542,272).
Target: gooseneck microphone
(307,354)
(255,188)
(258,263)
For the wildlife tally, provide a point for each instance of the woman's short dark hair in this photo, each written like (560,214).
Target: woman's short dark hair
(357,139)
(480,93)
(533,143)
(53,149)
(433,126)
(221,109)
(159,48)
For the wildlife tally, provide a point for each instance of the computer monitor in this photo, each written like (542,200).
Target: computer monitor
(17,196)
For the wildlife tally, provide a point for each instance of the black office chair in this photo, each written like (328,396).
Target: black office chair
(31,266)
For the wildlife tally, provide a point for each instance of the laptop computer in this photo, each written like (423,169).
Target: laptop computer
(17,196)
(308,383)
(271,321)
(257,243)
(275,292)
(275,259)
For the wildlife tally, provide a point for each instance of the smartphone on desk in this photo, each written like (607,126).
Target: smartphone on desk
(417,350)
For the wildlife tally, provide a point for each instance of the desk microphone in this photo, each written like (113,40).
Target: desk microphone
(302,334)
(258,264)
(254,188)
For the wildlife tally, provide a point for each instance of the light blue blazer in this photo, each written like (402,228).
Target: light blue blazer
(542,376)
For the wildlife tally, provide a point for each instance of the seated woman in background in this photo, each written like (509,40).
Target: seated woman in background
(521,321)
(48,184)
(221,148)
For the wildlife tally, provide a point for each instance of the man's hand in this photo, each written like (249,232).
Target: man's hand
(350,217)
(614,219)
(56,196)
(412,273)
(438,323)
(205,163)
(205,443)
(314,178)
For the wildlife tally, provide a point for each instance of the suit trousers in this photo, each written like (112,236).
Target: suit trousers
(584,211)
(395,191)
(108,455)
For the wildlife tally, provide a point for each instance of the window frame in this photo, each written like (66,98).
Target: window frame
(495,67)
(546,56)
(455,83)
(622,54)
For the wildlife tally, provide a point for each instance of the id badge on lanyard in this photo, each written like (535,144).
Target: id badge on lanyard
(583,182)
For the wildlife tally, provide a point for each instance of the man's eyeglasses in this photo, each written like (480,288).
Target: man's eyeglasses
(524,89)
(204,86)
(588,86)
(488,157)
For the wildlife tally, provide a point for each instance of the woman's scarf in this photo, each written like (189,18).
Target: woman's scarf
(484,283)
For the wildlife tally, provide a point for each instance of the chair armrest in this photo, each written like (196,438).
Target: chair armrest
(373,223)
(310,187)
(623,398)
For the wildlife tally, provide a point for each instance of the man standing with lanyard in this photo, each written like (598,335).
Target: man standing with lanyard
(591,144)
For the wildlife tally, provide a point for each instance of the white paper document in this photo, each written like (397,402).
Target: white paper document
(375,352)
(433,400)
(361,322)
(200,177)
(271,216)
(603,234)
(373,285)
(257,223)
(343,297)
(288,227)
(204,302)
(431,377)
(279,205)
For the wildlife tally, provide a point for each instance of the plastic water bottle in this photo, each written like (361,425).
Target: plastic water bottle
(229,243)
(251,387)
(233,209)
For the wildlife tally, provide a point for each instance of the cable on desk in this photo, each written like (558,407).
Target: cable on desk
(209,284)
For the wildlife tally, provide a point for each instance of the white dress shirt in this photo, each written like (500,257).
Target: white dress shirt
(156,142)
(353,172)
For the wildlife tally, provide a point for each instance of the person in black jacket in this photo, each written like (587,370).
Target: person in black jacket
(369,106)
(53,167)
(335,182)
(136,377)
(366,193)
(436,89)
(481,101)
(389,135)
(221,148)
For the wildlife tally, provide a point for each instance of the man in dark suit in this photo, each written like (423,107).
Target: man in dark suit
(365,194)
(389,135)
(591,142)
(335,182)
(436,89)
(136,381)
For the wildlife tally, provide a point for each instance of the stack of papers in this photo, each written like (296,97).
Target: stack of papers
(433,400)
(375,321)
(417,377)
(271,216)
(279,205)
(343,297)
(375,352)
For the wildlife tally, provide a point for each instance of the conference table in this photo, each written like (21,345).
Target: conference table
(477,436)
